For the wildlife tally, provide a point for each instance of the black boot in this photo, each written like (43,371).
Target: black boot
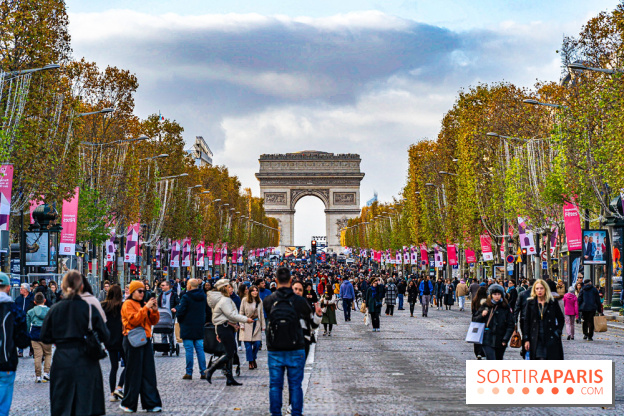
(215,365)
(229,376)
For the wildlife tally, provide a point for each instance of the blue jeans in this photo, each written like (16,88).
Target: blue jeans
(7,378)
(401,301)
(293,362)
(198,345)
(251,350)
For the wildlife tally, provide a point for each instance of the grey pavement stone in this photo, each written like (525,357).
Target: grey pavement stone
(414,366)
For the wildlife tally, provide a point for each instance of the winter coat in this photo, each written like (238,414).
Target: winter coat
(302,308)
(25,303)
(501,324)
(401,287)
(191,314)
(589,299)
(448,290)
(412,294)
(253,331)
(570,304)
(36,315)
(422,287)
(75,379)
(521,306)
(92,300)
(373,303)
(329,310)
(462,290)
(553,322)
(391,294)
(512,297)
(133,315)
(438,290)
(313,297)
(346,290)
(115,329)
(223,309)
(20,333)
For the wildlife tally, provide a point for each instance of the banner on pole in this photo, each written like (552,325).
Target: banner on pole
(486,247)
(572,222)
(6,184)
(69,222)
(110,246)
(471,257)
(526,237)
(424,255)
(174,259)
(451,250)
(132,243)
(199,254)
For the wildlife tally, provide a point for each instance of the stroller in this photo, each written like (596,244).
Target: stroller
(166,325)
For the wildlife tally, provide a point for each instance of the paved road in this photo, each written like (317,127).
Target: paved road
(414,366)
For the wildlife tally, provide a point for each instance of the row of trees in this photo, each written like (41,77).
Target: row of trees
(502,152)
(59,134)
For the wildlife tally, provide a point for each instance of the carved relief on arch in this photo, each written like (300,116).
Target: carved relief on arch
(297,194)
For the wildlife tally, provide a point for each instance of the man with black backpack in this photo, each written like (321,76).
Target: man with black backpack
(286,343)
(13,334)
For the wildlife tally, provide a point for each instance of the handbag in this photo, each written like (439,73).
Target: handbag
(363,308)
(137,337)
(95,350)
(600,323)
(516,339)
(475,332)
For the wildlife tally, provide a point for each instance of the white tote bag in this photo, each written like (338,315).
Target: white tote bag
(475,332)
(367,319)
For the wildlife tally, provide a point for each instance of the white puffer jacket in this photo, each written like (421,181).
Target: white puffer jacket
(223,309)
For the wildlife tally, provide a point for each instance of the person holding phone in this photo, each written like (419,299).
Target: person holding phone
(251,333)
(140,366)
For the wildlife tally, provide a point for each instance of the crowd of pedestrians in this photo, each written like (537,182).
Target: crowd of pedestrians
(282,308)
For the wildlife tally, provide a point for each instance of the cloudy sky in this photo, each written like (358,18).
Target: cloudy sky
(350,76)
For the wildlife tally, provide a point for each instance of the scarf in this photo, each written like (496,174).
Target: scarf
(166,297)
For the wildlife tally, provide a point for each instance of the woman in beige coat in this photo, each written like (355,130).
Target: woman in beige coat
(251,334)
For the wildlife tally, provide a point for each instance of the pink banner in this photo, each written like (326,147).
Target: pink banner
(451,251)
(572,223)
(209,252)
(486,247)
(424,256)
(471,257)
(110,246)
(186,252)
(132,243)
(217,257)
(174,259)
(6,184)
(199,254)
(69,222)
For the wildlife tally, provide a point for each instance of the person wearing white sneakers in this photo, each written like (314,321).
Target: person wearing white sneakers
(34,321)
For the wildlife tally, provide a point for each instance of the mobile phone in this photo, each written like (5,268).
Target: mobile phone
(255,319)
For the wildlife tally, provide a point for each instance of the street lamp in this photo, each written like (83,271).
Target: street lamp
(205,192)
(160,156)
(173,177)
(580,67)
(193,187)
(102,111)
(535,102)
(491,134)
(447,173)
(13,74)
(431,184)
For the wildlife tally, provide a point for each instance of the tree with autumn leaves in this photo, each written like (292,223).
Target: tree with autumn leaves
(66,139)
(498,157)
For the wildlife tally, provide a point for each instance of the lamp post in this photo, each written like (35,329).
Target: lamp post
(535,102)
(14,74)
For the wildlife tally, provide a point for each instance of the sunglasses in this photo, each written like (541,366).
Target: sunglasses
(141,291)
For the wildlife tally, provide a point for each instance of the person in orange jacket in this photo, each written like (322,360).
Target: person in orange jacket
(140,367)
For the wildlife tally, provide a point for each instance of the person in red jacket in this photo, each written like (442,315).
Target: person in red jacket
(570,308)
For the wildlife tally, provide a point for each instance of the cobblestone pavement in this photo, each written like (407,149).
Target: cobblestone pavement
(414,366)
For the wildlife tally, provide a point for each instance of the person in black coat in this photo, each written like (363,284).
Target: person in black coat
(499,325)
(192,316)
(512,295)
(114,346)
(588,304)
(412,296)
(310,295)
(543,324)
(76,385)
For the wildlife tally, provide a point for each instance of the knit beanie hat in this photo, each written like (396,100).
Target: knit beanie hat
(496,288)
(134,285)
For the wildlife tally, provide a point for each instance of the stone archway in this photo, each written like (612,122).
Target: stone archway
(335,179)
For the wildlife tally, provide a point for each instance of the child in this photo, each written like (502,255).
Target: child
(570,310)
(34,320)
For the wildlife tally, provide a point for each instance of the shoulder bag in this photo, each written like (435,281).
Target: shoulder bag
(92,340)
(516,340)
(137,337)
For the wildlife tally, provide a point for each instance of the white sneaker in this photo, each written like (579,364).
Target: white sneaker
(46,377)
(240,348)
(38,380)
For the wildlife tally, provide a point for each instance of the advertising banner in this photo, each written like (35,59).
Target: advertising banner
(6,184)
(186,252)
(594,247)
(241,252)
(438,257)
(526,237)
(424,256)
(209,253)
(471,257)
(174,259)
(414,254)
(540,383)
(217,256)
(199,254)
(157,256)
(398,257)
(572,223)
(234,257)
(486,247)
(132,243)
(69,222)
(110,246)
(406,255)
(451,250)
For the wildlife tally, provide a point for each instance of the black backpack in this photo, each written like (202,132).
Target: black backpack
(284,330)
(7,325)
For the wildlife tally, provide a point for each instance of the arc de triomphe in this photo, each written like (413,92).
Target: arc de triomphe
(334,179)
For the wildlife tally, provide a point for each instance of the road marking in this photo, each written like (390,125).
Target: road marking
(307,372)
